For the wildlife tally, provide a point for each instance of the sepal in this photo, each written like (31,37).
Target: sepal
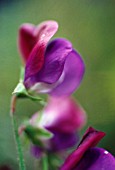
(21,92)
(37,134)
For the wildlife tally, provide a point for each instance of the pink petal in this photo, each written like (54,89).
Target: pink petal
(26,40)
(63,115)
(29,35)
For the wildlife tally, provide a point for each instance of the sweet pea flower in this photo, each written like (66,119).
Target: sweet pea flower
(52,67)
(89,157)
(63,117)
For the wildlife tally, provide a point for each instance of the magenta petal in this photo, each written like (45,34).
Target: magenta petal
(26,40)
(96,159)
(63,115)
(72,75)
(90,139)
(30,34)
(35,62)
(36,57)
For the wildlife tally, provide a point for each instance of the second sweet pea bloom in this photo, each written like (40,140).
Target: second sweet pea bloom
(52,67)
(63,117)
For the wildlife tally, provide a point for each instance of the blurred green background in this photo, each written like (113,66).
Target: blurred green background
(90,26)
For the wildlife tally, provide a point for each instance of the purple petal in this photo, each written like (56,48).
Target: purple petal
(59,113)
(90,139)
(55,57)
(54,61)
(96,159)
(36,151)
(62,141)
(72,75)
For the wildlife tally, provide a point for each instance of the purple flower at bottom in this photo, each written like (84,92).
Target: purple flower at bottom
(50,67)
(88,157)
(96,159)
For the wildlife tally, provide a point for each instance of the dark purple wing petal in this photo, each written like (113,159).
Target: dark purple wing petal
(96,159)
(90,139)
(55,57)
(72,75)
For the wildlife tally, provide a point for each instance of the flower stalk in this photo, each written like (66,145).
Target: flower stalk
(45,162)
(16,135)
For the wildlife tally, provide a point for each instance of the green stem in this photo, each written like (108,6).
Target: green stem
(44,162)
(16,135)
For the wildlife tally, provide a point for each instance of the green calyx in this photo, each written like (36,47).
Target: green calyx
(21,92)
(37,134)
